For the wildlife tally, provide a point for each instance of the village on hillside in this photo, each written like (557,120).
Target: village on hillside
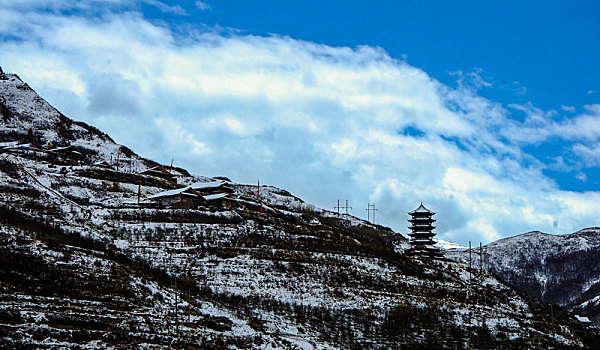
(177,192)
(65,159)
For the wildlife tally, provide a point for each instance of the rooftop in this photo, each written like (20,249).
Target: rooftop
(174,193)
(421,209)
(211,184)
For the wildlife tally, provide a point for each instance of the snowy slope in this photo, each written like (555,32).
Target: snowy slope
(562,269)
(27,118)
(81,263)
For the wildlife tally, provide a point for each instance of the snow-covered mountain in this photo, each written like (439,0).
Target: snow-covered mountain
(560,269)
(29,120)
(83,264)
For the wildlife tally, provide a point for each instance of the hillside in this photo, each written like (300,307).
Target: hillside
(559,269)
(86,264)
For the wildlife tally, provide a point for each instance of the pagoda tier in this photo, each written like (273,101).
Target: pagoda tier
(421,234)
(426,251)
(421,228)
(421,220)
(422,240)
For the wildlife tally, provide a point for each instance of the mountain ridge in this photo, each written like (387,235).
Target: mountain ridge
(84,265)
(559,269)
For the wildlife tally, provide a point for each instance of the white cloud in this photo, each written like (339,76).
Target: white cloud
(203,5)
(176,9)
(588,155)
(323,122)
(471,80)
(585,126)
(581,176)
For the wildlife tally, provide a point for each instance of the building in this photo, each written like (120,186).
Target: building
(421,236)
(103,164)
(217,193)
(158,171)
(181,198)
(222,200)
(212,187)
(214,193)
(23,149)
(66,153)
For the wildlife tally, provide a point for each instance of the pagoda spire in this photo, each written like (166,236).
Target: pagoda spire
(421,236)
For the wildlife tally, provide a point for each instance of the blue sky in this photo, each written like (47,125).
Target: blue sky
(488,112)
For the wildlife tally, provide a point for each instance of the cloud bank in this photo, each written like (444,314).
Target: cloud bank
(324,122)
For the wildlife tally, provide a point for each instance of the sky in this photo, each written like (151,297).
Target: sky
(488,112)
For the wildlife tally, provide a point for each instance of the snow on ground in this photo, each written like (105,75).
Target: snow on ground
(445,245)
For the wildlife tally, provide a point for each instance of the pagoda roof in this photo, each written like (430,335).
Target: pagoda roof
(421,210)
(422,239)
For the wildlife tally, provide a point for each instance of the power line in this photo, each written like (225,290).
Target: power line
(338,207)
(371,208)
(347,207)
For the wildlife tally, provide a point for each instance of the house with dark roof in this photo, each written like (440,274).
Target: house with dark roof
(180,198)
(158,171)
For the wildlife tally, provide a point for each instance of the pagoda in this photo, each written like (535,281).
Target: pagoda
(421,237)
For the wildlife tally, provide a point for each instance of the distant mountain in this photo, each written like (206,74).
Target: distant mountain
(559,269)
(89,258)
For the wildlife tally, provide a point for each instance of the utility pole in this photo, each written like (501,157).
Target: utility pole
(139,187)
(374,210)
(347,207)
(176,294)
(480,259)
(371,208)
(338,207)
(189,275)
(118,160)
(176,309)
(469,261)
(258,196)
